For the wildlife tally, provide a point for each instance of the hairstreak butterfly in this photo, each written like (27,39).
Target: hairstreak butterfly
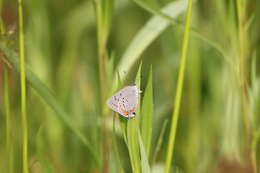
(125,101)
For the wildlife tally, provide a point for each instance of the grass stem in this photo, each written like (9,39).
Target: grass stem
(23,90)
(242,65)
(8,118)
(243,53)
(177,102)
(102,35)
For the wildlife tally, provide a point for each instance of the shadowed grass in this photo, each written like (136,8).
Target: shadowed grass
(9,145)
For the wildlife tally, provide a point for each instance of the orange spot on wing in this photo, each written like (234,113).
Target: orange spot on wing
(133,110)
(124,111)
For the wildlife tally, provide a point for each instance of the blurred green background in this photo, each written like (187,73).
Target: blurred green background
(79,52)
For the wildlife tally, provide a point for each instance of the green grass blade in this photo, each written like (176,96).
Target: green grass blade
(194,31)
(147,114)
(119,164)
(152,29)
(2,27)
(7,107)
(41,150)
(44,92)
(144,157)
(132,133)
(23,90)
(177,102)
(9,144)
(160,141)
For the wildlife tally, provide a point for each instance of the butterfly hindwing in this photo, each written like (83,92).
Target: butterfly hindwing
(125,101)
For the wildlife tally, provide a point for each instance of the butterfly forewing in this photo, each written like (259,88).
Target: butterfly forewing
(124,101)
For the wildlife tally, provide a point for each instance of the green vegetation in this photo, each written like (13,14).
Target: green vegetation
(196,62)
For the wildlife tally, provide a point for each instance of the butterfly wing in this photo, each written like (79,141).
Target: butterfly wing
(129,98)
(125,101)
(113,102)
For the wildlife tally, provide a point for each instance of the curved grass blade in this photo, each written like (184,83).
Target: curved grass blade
(194,31)
(152,29)
(44,92)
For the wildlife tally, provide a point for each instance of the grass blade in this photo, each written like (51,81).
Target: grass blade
(23,90)
(144,157)
(44,92)
(40,151)
(132,132)
(147,114)
(9,145)
(152,29)
(160,141)
(194,31)
(177,102)
(119,164)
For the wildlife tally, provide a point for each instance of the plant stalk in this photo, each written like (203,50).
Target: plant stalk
(176,106)
(102,38)
(23,91)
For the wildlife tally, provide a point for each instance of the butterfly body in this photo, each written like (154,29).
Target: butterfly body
(125,101)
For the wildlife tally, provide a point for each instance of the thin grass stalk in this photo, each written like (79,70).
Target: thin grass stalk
(101,47)
(23,91)
(6,88)
(256,137)
(102,38)
(2,29)
(243,52)
(8,119)
(176,106)
(9,146)
(158,145)
(242,64)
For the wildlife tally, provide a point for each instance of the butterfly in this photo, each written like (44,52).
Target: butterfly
(125,101)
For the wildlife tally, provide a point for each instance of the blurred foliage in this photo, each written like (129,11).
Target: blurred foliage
(70,127)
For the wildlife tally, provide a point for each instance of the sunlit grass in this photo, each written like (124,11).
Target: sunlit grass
(23,90)
(177,101)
